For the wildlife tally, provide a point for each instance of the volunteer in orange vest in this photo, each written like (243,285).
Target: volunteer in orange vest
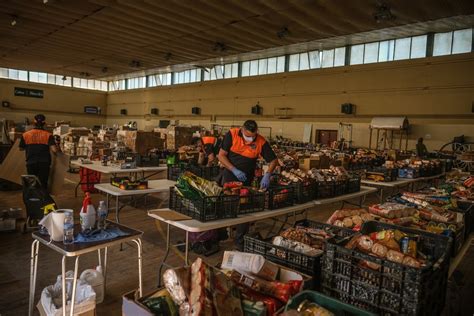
(37,144)
(239,153)
(211,147)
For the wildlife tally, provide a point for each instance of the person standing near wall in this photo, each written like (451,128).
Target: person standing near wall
(239,153)
(421,150)
(37,144)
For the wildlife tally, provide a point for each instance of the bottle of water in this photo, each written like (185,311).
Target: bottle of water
(68,228)
(102,215)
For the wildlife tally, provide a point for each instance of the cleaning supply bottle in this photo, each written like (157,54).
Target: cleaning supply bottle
(87,215)
(95,278)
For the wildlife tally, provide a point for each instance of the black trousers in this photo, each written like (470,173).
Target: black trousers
(40,170)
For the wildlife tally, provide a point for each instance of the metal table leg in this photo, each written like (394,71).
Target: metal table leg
(74,285)
(33,269)
(63,284)
(167,251)
(186,251)
(117,209)
(139,247)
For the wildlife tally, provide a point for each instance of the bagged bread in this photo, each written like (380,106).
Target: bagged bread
(250,263)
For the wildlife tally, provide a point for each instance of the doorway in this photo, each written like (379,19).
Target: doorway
(326,137)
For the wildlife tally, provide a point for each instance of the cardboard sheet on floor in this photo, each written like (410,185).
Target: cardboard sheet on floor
(14,166)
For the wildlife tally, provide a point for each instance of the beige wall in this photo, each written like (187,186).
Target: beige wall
(59,103)
(435,93)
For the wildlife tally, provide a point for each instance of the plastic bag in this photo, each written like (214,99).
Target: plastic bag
(51,297)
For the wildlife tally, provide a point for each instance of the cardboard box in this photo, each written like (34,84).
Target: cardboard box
(132,306)
(306,164)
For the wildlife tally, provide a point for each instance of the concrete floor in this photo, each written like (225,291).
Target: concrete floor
(122,266)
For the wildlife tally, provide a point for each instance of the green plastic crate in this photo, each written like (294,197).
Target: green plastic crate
(336,307)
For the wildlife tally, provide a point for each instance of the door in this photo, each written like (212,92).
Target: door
(327,137)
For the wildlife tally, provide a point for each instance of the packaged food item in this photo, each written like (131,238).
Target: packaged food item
(251,263)
(226,296)
(161,304)
(395,256)
(271,303)
(177,282)
(411,262)
(379,250)
(312,309)
(279,290)
(296,246)
(200,299)
(365,243)
(257,308)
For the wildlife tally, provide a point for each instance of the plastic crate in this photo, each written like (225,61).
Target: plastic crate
(353,184)
(334,306)
(175,171)
(207,208)
(339,187)
(310,265)
(408,173)
(467,208)
(384,174)
(279,197)
(394,289)
(147,161)
(255,202)
(206,172)
(305,192)
(325,190)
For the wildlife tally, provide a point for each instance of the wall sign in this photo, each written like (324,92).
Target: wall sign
(89,109)
(32,93)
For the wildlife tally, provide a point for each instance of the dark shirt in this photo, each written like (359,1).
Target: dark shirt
(421,150)
(213,148)
(36,144)
(243,163)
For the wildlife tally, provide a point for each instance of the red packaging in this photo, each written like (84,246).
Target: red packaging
(271,303)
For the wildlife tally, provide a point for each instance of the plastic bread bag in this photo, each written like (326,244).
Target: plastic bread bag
(177,282)
(249,263)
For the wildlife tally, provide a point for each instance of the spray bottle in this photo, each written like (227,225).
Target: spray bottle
(87,215)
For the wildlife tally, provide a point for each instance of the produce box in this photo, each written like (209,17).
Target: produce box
(206,208)
(392,288)
(280,196)
(408,173)
(133,305)
(305,192)
(206,172)
(124,183)
(382,174)
(253,202)
(175,170)
(334,306)
(290,258)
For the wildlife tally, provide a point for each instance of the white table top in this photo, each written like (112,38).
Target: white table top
(432,177)
(196,226)
(112,169)
(363,191)
(392,184)
(154,186)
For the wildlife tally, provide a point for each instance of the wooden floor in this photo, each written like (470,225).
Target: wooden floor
(122,273)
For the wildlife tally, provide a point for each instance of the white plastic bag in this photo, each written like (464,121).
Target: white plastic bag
(51,297)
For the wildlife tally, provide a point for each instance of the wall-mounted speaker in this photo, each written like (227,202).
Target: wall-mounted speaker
(196,111)
(123,112)
(154,111)
(5,104)
(348,108)
(257,109)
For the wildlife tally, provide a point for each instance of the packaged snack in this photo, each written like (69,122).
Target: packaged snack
(251,263)
(296,246)
(395,256)
(379,250)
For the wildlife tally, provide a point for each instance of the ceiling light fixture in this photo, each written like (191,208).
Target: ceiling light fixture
(14,20)
(105,69)
(284,32)
(45,1)
(168,56)
(84,74)
(64,78)
(383,13)
(135,64)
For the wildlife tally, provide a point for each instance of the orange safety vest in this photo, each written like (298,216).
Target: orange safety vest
(250,150)
(208,140)
(36,137)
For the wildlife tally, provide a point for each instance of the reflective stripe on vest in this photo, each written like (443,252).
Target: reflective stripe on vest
(251,150)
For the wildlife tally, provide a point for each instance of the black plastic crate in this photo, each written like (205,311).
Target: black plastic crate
(147,161)
(467,208)
(353,184)
(206,172)
(280,196)
(254,202)
(325,190)
(310,265)
(394,289)
(207,208)
(175,171)
(305,192)
(340,187)
(382,174)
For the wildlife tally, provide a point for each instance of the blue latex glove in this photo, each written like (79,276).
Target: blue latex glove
(239,174)
(265,183)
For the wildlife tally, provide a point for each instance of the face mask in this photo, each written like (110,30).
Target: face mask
(248,139)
